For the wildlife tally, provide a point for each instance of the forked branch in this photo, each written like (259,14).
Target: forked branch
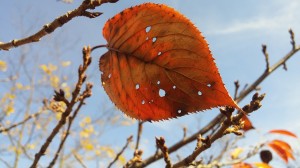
(59,96)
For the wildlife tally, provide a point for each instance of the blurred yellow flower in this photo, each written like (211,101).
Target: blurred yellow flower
(54,81)
(57,107)
(48,69)
(65,63)
(87,145)
(3,66)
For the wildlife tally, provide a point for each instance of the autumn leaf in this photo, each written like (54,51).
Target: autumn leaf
(279,150)
(283,147)
(283,132)
(159,65)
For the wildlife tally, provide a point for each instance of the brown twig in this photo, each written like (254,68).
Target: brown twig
(21,122)
(87,93)
(220,117)
(184,129)
(58,22)
(79,160)
(293,42)
(139,133)
(264,50)
(136,160)
(75,95)
(129,139)
(236,90)
(160,143)
(253,106)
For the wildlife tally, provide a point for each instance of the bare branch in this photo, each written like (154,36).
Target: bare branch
(255,84)
(79,160)
(264,50)
(121,152)
(136,160)
(71,119)
(58,22)
(21,122)
(206,143)
(160,142)
(237,86)
(293,42)
(75,96)
(139,133)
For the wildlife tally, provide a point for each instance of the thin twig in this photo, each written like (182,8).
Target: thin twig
(139,133)
(267,73)
(237,86)
(160,142)
(5,162)
(71,119)
(293,42)
(121,152)
(21,122)
(264,50)
(253,106)
(75,95)
(58,22)
(184,132)
(79,160)
(136,160)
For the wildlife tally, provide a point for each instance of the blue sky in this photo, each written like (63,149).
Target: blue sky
(234,30)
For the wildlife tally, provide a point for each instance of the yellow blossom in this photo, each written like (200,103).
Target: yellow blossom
(3,66)
(87,145)
(65,63)
(54,81)
(48,69)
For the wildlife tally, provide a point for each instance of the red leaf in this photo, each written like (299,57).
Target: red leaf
(279,150)
(247,123)
(159,65)
(283,132)
(285,146)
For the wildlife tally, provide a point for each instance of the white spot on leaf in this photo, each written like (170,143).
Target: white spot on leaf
(137,86)
(154,39)
(162,93)
(199,93)
(148,29)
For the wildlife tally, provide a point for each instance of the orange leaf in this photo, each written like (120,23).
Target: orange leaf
(285,146)
(261,165)
(279,150)
(247,123)
(242,165)
(159,65)
(283,132)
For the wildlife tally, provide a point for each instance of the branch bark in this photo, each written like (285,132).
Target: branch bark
(75,98)
(58,22)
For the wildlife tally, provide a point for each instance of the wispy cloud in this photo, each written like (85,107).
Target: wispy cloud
(286,17)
